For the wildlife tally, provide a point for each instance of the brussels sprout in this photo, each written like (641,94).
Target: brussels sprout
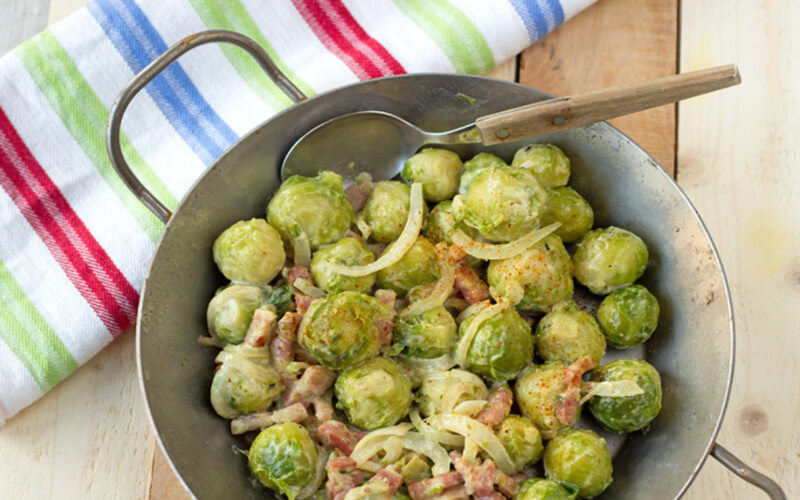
(250,252)
(503,203)
(349,252)
(537,391)
(522,441)
(230,311)
(547,162)
(629,413)
(566,206)
(502,346)
(610,258)
(566,333)
(579,457)
(437,170)
(284,458)
(244,382)
(476,165)
(427,335)
(628,316)
(419,266)
(386,210)
(543,489)
(280,298)
(373,394)
(316,206)
(538,278)
(340,331)
(444,390)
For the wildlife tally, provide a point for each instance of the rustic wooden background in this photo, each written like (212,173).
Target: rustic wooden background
(735,153)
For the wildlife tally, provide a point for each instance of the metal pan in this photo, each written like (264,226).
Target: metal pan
(693,347)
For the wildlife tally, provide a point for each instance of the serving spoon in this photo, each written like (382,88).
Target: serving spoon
(381,142)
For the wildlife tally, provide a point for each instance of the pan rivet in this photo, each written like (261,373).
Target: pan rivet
(502,133)
(559,120)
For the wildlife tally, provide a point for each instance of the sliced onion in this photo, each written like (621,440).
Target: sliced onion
(464,343)
(489,251)
(454,392)
(470,453)
(363,227)
(415,441)
(435,294)
(470,408)
(432,433)
(469,311)
(302,249)
(611,389)
(481,434)
(456,303)
(423,365)
(319,475)
(400,246)
(241,362)
(308,288)
(374,441)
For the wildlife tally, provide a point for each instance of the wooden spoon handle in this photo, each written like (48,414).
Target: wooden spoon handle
(562,113)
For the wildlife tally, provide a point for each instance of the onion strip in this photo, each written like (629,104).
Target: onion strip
(470,408)
(363,227)
(308,288)
(611,389)
(469,311)
(400,246)
(432,433)
(483,436)
(465,342)
(437,292)
(302,249)
(488,251)
(415,441)
(366,447)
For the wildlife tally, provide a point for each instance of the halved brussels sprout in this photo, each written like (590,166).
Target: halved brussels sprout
(476,165)
(340,330)
(244,382)
(536,279)
(373,394)
(546,161)
(230,311)
(566,206)
(579,457)
(427,335)
(628,316)
(419,266)
(537,392)
(316,206)
(250,252)
(543,489)
(522,441)
(631,413)
(503,203)
(284,459)
(566,333)
(442,391)
(610,258)
(386,210)
(348,252)
(502,346)
(437,170)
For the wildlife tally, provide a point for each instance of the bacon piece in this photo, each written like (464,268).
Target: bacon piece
(454,493)
(385,324)
(358,194)
(261,327)
(342,477)
(282,346)
(435,486)
(298,272)
(478,479)
(567,408)
(499,401)
(508,485)
(385,328)
(262,419)
(323,409)
(316,379)
(302,303)
(335,434)
(386,297)
(472,288)
(389,476)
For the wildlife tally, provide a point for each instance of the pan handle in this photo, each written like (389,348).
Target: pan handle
(152,70)
(747,473)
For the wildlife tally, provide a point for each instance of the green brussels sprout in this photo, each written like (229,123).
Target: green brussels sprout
(230,311)
(437,170)
(566,206)
(348,252)
(503,203)
(244,382)
(427,335)
(316,206)
(419,266)
(537,392)
(285,459)
(476,165)
(610,258)
(280,298)
(374,394)
(579,457)
(502,346)
(631,413)
(536,279)
(566,333)
(250,252)
(386,210)
(522,441)
(340,331)
(444,390)
(543,489)
(546,161)
(628,316)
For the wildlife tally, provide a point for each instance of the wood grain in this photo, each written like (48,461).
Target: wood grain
(611,43)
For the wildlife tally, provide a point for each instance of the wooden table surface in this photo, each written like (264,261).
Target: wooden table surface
(736,154)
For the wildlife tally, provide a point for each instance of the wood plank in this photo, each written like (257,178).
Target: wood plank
(738,156)
(20,20)
(59,9)
(611,43)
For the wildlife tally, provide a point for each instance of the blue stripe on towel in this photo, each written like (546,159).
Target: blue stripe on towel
(534,15)
(139,43)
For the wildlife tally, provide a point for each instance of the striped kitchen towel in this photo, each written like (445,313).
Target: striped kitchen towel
(74,243)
